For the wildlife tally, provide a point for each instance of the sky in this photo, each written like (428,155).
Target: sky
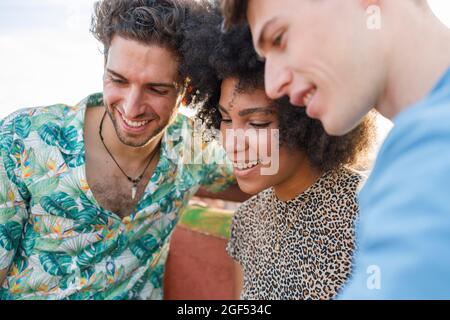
(48,56)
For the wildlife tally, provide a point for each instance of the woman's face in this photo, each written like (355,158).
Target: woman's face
(249,129)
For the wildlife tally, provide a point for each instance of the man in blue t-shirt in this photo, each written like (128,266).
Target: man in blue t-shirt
(342,58)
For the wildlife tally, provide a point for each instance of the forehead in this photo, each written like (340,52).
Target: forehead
(134,59)
(260,11)
(233,100)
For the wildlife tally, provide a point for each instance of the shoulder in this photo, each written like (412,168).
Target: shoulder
(337,195)
(179,130)
(40,129)
(351,178)
(419,128)
(416,153)
(21,123)
(251,209)
(25,120)
(343,182)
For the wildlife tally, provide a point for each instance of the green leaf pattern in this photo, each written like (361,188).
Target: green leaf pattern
(57,241)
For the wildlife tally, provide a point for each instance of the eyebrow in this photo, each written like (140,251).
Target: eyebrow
(265,110)
(150,84)
(246,112)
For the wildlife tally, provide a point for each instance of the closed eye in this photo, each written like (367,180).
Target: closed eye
(118,81)
(160,92)
(278,40)
(261,125)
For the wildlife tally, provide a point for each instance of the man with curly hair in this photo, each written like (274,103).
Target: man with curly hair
(340,59)
(90,194)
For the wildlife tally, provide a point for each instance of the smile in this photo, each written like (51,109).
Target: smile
(135,124)
(245,166)
(304,97)
(308,97)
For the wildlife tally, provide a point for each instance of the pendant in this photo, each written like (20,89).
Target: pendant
(133,192)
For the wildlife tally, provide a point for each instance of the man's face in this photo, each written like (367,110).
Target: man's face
(322,55)
(140,90)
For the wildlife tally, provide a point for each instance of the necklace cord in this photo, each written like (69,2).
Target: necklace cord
(136,180)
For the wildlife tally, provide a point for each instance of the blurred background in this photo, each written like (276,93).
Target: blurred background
(48,56)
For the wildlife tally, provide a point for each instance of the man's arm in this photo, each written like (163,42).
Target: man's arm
(13,191)
(232,193)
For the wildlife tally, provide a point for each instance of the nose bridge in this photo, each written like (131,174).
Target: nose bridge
(133,105)
(277,78)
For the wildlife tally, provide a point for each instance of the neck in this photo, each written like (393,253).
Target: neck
(304,177)
(419,55)
(134,156)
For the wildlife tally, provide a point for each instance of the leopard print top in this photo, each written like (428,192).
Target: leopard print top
(314,235)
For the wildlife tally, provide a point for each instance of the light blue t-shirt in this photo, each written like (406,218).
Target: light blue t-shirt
(404,228)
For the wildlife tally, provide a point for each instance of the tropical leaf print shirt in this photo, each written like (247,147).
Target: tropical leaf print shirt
(56,240)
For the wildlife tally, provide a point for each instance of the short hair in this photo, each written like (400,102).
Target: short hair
(147,21)
(234,12)
(235,57)
(167,23)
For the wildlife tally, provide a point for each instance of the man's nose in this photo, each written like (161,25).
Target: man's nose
(134,106)
(277,79)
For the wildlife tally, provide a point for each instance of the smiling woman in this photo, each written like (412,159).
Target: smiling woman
(306,205)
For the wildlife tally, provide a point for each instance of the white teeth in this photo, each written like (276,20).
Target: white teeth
(243,166)
(307,99)
(134,124)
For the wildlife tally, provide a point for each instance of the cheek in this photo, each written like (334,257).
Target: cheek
(163,108)
(230,142)
(223,137)
(267,145)
(111,94)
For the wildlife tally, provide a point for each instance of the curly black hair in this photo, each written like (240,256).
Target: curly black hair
(172,24)
(233,56)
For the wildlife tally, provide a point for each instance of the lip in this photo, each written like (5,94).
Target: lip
(298,97)
(312,110)
(134,130)
(246,172)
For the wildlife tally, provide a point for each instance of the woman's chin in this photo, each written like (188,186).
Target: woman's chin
(252,188)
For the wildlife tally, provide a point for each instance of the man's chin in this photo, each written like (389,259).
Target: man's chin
(135,142)
(336,127)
